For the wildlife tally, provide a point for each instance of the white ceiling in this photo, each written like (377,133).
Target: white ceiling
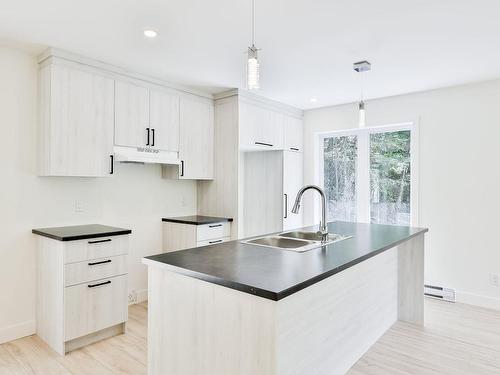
(308,46)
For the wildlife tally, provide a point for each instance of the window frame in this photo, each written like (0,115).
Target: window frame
(363,166)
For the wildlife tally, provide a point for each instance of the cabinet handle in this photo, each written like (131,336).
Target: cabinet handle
(153,132)
(264,144)
(147,130)
(182,168)
(215,226)
(216,241)
(100,241)
(102,262)
(286,205)
(112,158)
(94,285)
(294,149)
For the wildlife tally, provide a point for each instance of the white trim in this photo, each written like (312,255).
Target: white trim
(478,300)
(142,295)
(51,53)
(362,182)
(262,101)
(17,331)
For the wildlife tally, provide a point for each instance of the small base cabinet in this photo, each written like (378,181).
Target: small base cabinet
(82,290)
(180,236)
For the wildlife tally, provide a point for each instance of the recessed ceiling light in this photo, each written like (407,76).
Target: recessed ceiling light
(150,33)
(313,100)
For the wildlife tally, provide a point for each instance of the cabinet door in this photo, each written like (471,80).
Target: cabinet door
(260,128)
(81,123)
(164,120)
(293,134)
(293,180)
(131,115)
(196,148)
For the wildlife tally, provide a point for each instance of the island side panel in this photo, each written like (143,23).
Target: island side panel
(325,328)
(195,327)
(411,280)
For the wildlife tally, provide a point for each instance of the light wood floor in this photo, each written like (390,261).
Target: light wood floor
(457,339)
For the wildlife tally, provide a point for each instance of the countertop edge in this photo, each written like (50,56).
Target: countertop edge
(244,288)
(81,237)
(192,222)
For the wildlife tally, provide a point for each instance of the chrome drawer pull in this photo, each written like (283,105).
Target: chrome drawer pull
(104,283)
(102,262)
(100,241)
(217,241)
(215,226)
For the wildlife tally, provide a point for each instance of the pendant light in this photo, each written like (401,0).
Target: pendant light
(253,62)
(361,67)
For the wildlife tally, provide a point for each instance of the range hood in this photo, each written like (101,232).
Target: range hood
(145,155)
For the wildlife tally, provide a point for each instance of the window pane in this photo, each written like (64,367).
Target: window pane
(340,155)
(390,175)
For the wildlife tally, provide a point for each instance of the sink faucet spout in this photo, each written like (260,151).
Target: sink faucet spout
(323,229)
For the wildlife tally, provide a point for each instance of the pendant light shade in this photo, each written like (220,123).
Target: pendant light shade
(253,67)
(362,114)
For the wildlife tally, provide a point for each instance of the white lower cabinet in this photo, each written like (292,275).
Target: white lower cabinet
(179,236)
(82,290)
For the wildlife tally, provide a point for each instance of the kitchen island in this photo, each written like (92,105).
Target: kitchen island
(237,308)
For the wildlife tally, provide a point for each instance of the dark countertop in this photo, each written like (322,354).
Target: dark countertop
(196,219)
(80,232)
(275,274)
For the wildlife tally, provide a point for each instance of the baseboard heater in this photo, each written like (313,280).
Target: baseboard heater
(438,292)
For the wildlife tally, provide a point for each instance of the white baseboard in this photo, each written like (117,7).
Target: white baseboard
(142,295)
(16,331)
(478,300)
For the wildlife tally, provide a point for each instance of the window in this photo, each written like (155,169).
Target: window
(369,175)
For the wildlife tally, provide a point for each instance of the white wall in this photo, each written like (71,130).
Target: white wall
(135,197)
(459,178)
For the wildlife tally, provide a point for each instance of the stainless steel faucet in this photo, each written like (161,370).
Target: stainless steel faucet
(323,229)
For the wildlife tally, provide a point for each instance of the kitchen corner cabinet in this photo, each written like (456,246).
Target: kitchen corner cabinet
(146,117)
(196,146)
(76,122)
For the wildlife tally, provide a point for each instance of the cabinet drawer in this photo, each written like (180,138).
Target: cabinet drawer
(93,306)
(212,231)
(212,242)
(95,269)
(95,248)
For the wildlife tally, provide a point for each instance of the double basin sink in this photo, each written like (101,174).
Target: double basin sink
(298,241)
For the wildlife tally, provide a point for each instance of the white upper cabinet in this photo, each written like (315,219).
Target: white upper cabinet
(260,128)
(146,117)
(196,148)
(76,122)
(293,134)
(132,115)
(164,120)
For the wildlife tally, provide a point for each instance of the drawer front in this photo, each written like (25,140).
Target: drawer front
(90,307)
(95,269)
(212,231)
(95,248)
(212,242)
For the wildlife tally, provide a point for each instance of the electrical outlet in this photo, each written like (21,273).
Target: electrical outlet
(494,279)
(79,206)
(132,297)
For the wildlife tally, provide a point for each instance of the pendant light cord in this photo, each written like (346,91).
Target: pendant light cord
(253,23)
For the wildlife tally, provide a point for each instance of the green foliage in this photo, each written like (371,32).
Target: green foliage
(390,167)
